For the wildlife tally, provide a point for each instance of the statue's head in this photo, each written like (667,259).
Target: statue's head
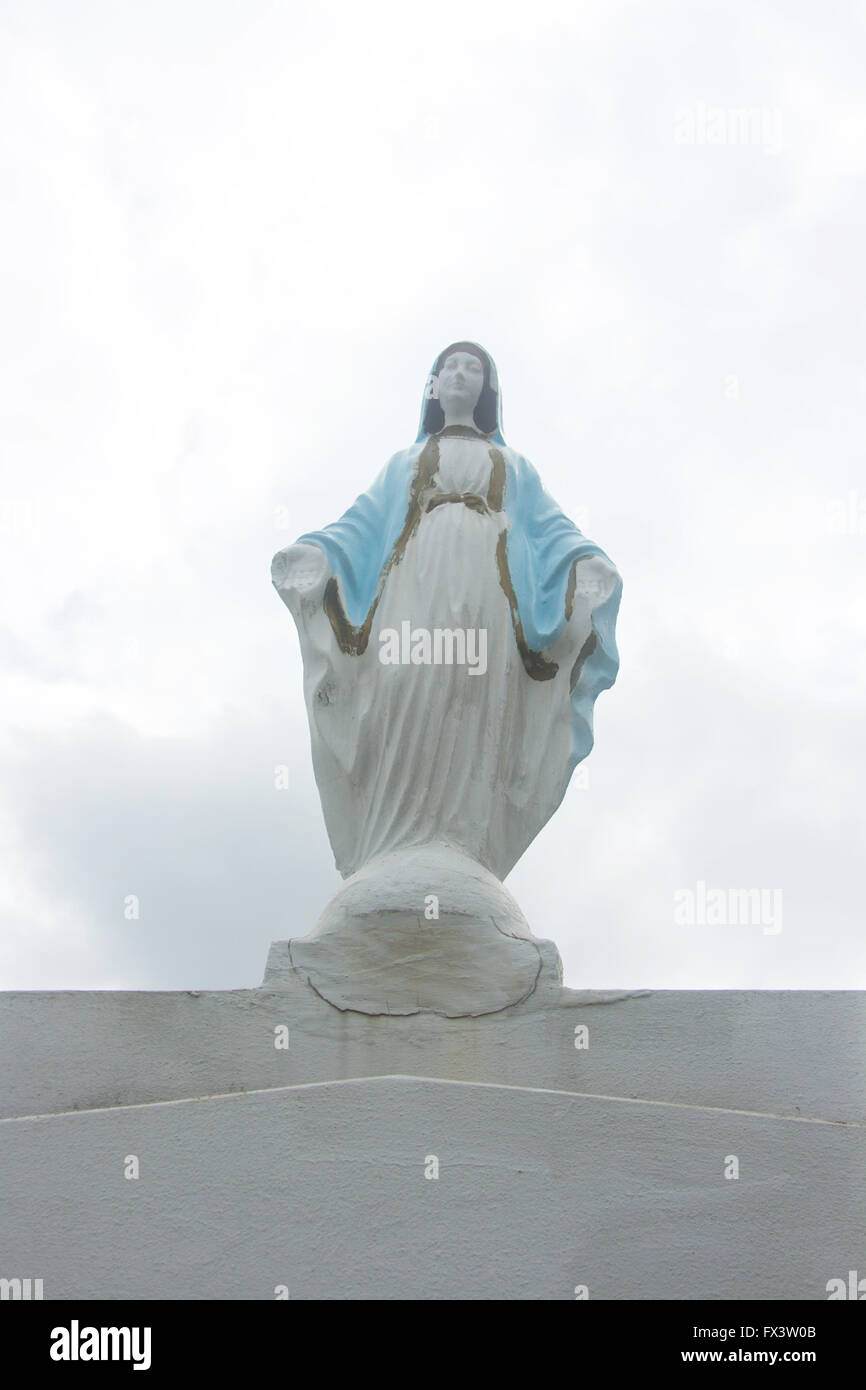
(463,379)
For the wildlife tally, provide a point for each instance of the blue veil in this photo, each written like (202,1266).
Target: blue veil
(542,547)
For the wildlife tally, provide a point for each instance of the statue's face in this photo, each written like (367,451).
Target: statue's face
(461,378)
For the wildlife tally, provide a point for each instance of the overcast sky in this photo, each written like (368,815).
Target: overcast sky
(233,239)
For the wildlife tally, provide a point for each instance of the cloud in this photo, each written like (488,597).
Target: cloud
(168,863)
(234,251)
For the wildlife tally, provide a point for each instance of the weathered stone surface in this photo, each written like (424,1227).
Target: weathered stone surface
(788,1052)
(322,1189)
(476,955)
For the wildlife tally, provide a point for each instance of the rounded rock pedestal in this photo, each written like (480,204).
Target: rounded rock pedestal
(423,930)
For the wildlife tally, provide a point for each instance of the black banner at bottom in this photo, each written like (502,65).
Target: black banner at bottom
(162,1338)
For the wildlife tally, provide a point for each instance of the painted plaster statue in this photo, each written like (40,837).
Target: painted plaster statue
(456,629)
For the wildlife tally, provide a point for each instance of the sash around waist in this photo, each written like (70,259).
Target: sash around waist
(469,499)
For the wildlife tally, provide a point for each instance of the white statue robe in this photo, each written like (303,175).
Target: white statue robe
(412,754)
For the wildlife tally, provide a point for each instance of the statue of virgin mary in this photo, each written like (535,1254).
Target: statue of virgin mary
(455,629)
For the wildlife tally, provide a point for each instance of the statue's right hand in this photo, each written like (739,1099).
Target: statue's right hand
(300,569)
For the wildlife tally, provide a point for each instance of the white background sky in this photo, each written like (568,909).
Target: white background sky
(233,238)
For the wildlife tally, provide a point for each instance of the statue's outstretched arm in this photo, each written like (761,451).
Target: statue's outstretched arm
(299,574)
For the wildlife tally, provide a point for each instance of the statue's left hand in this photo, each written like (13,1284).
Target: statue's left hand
(595,580)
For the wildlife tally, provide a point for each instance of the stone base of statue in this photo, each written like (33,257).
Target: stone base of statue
(424,930)
(668,1144)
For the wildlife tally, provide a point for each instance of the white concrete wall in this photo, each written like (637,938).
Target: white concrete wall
(784,1052)
(559,1166)
(322,1188)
